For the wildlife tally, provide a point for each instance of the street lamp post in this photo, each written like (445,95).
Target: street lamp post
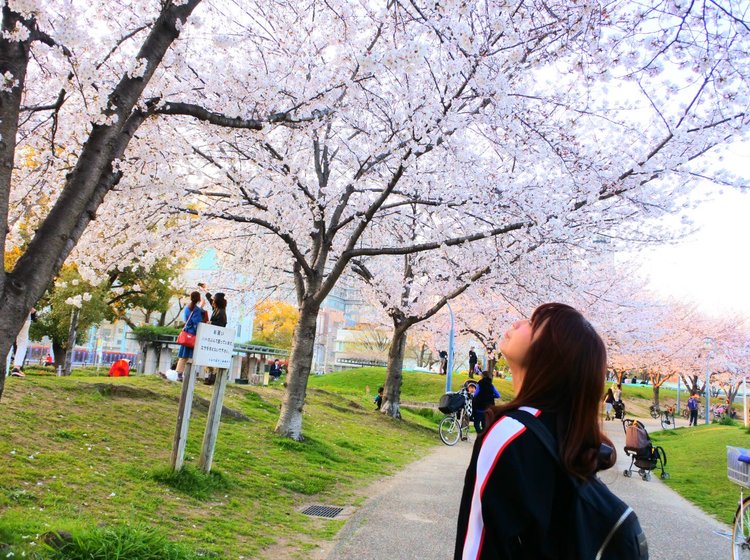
(708,344)
(449,368)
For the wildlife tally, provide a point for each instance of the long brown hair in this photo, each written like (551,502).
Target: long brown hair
(566,365)
(195,298)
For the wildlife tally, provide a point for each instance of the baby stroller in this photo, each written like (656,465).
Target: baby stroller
(642,453)
(619,408)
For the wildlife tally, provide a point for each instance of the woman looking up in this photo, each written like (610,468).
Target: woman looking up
(516,500)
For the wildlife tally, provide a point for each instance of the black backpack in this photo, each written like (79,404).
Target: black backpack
(603,526)
(451,402)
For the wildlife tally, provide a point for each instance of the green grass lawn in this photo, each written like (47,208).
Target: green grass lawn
(77,456)
(697,465)
(417,387)
(89,456)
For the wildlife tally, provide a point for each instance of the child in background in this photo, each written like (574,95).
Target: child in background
(379,399)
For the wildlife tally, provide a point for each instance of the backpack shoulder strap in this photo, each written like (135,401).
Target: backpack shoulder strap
(538,429)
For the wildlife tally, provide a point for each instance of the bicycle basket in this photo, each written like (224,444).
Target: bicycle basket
(738,471)
(451,402)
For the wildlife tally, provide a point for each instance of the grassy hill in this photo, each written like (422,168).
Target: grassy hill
(89,456)
(697,465)
(417,387)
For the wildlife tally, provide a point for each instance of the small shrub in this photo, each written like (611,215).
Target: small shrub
(346,444)
(191,481)
(727,421)
(63,434)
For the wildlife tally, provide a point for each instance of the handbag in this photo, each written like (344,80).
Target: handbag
(185,338)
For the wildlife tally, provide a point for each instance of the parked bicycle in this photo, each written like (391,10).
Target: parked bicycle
(665,415)
(738,471)
(455,425)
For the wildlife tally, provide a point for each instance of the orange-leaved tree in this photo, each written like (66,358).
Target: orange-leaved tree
(274,323)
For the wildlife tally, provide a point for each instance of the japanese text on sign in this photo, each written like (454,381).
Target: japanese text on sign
(213,346)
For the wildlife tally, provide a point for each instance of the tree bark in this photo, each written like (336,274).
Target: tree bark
(655,390)
(392,392)
(14,61)
(691,384)
(491,362)
(71,341)
(300,362)
(59,351)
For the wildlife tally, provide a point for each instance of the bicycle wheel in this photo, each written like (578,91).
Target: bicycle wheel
(685,413)
(449,430)
(741,532)
(655,412)
(667,420)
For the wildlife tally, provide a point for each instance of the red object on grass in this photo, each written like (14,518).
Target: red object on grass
(120,368)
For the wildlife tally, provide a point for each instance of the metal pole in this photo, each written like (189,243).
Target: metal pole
(678,394)
(744,399)
(449,369)
(708,390)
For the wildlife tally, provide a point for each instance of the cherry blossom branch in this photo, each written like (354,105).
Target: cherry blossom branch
(285,237)
(219,119)
(374,251)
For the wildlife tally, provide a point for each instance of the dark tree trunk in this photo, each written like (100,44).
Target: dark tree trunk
(87,183)
(300,362)
(655,389)
(58,349)
(157,352)
(72,333)
(14,60)
(392,393)
(691,383)
(491,363)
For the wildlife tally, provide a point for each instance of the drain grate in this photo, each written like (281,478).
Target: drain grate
(323,511)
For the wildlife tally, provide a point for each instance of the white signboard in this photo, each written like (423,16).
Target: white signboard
(213,346)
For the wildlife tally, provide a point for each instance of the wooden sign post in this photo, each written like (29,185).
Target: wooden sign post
(213,348)
(183,418)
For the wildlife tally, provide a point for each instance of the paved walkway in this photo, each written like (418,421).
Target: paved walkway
(412,515)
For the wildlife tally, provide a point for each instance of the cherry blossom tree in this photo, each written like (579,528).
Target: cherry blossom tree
(732,357)
(409,295)
(312,129)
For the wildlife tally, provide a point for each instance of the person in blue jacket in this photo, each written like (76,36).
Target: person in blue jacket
(484,398)
(193,315)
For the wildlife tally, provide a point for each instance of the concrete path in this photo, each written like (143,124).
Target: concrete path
(412,515)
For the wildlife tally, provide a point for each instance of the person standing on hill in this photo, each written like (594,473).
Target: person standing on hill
(693,408)
(617,392)
(219,306)
(484,398)
(472,362)
(609,403)
(219,319)
(22,345)
(443,362)
(193,315)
